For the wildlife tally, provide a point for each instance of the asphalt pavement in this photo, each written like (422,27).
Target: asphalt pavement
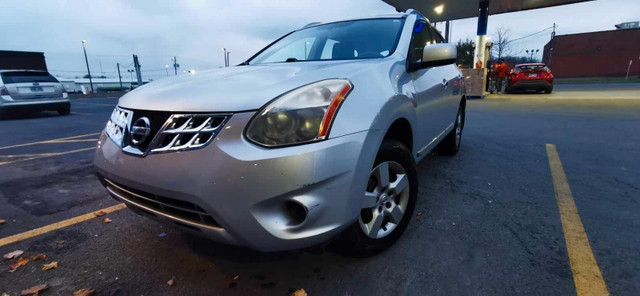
(487,221)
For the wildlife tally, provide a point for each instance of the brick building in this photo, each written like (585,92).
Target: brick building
(594,54)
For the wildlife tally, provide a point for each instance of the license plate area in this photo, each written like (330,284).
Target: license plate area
(533,75)
(36,89)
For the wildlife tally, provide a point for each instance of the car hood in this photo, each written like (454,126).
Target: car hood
(233,89)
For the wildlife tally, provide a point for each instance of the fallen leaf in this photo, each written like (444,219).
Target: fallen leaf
(60,242)
(171,282)
(106,220)
(100,214)
(39,257)
(83,292)
(51,265)
(34,290)
(14,254)
(5,294)
(2,222)
(300,292)
(235,278)
(22,261)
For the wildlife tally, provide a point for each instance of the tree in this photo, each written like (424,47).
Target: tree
(465,52)
(502,43)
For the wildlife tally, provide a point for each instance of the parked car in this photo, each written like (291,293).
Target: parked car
(33,90)
(315,136)
(533,76)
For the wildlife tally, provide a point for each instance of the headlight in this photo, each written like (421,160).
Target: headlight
(117,124)
(300,116)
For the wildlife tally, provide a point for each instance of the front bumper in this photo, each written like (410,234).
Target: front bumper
(238,192)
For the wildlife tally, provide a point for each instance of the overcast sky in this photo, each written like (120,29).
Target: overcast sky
(196,30)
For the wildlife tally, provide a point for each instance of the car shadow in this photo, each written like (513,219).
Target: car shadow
(15,115)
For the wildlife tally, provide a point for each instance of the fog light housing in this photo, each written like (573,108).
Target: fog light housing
(294,212)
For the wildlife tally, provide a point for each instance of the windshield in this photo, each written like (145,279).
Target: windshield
(362,39)
(27,77)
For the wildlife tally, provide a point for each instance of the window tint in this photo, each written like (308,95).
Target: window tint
(372,38)
(421,38)
(27,77)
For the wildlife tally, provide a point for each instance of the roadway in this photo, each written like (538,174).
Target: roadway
(490,220)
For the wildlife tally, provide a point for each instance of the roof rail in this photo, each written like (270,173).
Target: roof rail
(312,24)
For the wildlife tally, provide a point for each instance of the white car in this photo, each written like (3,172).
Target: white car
(316,136)
(32,90)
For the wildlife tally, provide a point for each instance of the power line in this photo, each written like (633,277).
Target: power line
(541,31)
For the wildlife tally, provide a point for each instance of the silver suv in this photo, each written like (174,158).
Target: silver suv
(32,89)
(315,137)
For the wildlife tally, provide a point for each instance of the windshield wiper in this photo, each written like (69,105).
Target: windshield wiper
(291,60)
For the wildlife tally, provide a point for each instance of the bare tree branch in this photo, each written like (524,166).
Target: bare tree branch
(502,42)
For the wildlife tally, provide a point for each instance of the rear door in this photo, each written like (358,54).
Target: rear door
(25,85)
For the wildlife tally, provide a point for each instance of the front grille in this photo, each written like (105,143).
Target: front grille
(172,208)
(169,132)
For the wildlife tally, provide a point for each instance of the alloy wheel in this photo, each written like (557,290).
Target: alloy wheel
(385,200)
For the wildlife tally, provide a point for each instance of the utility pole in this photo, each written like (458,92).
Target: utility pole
(175,65)
(136,64)
(119,76)
(87,61)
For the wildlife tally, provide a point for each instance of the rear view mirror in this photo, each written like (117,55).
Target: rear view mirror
(438,55)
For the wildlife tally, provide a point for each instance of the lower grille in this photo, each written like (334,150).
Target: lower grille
(183,211)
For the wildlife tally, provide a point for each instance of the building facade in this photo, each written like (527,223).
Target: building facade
(594,54)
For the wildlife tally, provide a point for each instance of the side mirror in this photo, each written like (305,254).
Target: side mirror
(438,54)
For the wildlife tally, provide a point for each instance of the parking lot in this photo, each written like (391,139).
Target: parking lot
(488,221)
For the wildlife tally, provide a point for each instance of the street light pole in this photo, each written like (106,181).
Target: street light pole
(87,61)
(166,68)
(224,52)
(228,54)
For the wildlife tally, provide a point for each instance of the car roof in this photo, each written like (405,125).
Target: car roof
(380,16)
(531,64)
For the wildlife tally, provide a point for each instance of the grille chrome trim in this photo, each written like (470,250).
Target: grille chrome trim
(173,139)
(127,196)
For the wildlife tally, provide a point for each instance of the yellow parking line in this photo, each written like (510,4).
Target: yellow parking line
(58,225)
(586,273)
(48,141)
(43,155)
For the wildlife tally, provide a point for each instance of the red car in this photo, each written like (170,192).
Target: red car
(533,76)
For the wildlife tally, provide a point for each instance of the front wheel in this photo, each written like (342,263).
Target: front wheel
(387,203)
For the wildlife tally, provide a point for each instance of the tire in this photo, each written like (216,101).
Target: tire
(548,90)
(364,238)
(450,145)
(64,110)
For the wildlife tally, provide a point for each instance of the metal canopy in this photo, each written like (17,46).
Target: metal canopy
(458,9)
